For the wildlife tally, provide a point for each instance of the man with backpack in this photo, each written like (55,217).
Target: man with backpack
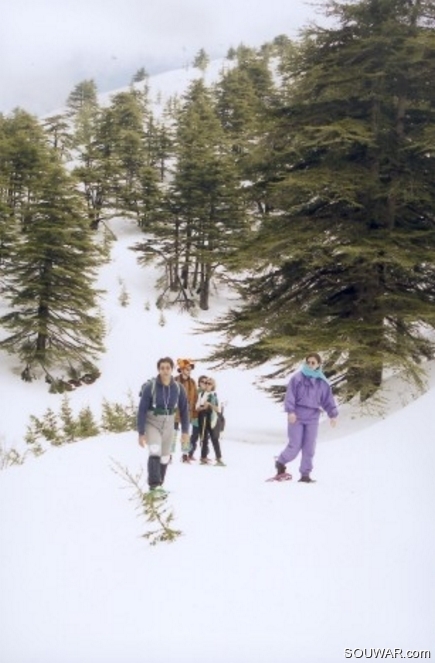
(160,397)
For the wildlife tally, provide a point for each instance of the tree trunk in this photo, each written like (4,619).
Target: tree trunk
(204,292)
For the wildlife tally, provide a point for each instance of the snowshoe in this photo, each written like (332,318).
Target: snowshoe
(281,476)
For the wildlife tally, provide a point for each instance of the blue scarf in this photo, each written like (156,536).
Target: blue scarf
(313,373)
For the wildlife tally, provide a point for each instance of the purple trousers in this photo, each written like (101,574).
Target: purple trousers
(301,437)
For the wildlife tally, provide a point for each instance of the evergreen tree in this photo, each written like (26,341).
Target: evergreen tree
(93,170)
(246,94)
(344,255)
(69,425)
(205,218)
(51,299)
(86,424)
(201,60)
(163,147)
(23,159)
(140,75)
(82,98)
(58,128)
(130,141)
(7,225)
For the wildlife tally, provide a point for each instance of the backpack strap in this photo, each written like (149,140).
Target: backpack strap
(153,393)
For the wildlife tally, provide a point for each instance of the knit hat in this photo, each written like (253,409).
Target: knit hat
(184,363)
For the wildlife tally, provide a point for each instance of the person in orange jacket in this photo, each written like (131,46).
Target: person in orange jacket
(184,368)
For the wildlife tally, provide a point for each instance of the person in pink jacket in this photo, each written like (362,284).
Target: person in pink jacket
(308,393)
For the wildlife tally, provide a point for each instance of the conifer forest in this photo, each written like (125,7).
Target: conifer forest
(303,178)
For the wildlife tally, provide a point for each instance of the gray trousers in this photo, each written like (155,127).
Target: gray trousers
(159,429)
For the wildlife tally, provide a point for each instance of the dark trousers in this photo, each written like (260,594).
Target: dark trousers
(206,432)
(156,471)
(194,437)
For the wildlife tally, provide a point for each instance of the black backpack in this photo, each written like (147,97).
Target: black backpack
(221,420)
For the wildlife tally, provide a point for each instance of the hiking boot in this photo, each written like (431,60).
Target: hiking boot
(157,492)
(203,461)
(305,478)
(280,467)
(220,462)
(185,458)
(284,476)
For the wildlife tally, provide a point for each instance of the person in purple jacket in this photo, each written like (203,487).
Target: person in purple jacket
(160,397)
(308,392)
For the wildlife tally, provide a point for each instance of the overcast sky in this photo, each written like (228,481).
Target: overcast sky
(48,46)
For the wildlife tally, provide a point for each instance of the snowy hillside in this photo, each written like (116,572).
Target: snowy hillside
(262,572)
(167,84)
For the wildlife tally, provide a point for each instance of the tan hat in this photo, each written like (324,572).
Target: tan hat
(184,363)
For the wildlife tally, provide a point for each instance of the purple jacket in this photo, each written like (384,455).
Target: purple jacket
(306,397)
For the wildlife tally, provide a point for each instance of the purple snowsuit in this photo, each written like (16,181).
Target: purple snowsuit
(305,397)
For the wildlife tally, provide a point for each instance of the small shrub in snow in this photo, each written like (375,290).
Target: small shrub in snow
(86,424)
(154,508)
(124,297)
(118,418)
(69,424)
(10,457)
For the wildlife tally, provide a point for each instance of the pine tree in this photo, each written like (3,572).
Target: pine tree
(58,128)
(93,169)
(24,157)
(246,95)
(205,216)
(51,318)
(128,140)
(201,60)
(140,75)
(346,248)
(86,424)
(69,424)
(82,98)
(7,224)
(163,147)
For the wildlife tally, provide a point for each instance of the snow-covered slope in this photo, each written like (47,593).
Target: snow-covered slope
(166,85)
(282,572)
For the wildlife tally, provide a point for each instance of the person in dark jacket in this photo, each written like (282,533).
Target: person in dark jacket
(194,436)
(308,392)
(208,422)
(160,397)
